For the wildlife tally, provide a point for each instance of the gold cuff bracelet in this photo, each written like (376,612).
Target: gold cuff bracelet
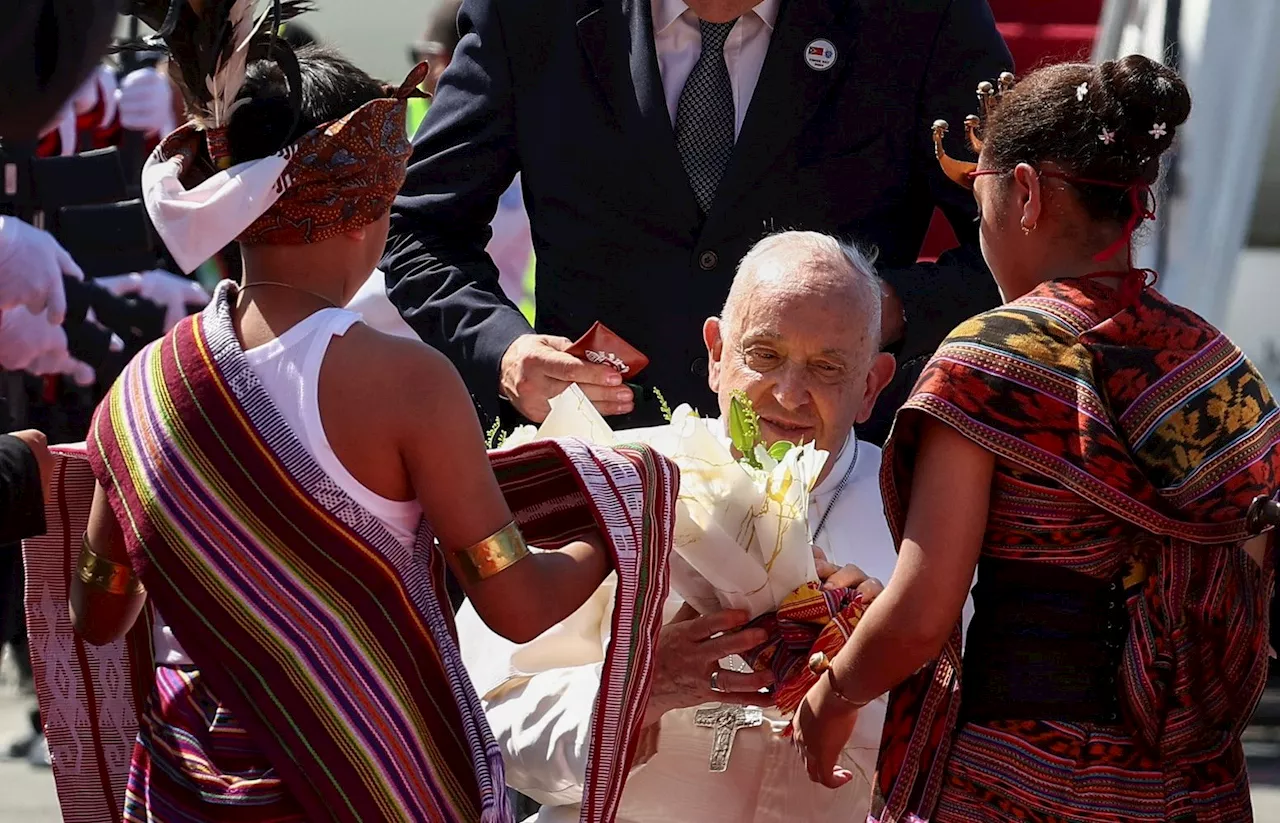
(97,572)
(497,552)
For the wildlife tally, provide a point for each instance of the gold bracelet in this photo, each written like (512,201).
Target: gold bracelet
(97,572)
(820,664)
(497,552)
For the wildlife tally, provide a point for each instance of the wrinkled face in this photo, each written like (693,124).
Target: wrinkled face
(805,357)
(721,11)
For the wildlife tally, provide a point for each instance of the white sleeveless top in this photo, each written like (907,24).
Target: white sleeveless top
(289,368)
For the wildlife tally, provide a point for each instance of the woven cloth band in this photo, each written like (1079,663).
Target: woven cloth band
(340,176)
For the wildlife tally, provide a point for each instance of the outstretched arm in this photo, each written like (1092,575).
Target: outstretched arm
(444,453)
(439,274)
(99,615)
(910,621)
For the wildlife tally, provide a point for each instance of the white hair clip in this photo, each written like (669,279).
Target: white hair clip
(1108,136)
(1158,131)
(1082,90)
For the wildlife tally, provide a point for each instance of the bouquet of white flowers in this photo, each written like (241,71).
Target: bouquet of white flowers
(742,534)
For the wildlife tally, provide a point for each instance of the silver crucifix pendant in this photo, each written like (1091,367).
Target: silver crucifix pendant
(726,720)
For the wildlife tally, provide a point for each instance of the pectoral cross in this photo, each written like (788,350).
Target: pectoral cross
(726,720)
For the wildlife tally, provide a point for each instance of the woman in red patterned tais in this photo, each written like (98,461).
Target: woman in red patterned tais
(1091,449)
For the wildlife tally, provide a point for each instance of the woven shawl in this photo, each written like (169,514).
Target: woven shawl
(327,639)
(1154,416)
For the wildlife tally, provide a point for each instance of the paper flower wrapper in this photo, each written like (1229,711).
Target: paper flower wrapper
(742,534)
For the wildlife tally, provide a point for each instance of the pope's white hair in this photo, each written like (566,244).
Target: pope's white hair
(808,260)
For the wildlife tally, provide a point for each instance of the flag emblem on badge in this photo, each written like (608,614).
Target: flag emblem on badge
(820,54)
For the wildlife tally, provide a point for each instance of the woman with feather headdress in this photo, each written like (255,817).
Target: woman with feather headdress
(266,485)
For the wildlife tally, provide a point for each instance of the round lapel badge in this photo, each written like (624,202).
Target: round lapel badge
(820,55)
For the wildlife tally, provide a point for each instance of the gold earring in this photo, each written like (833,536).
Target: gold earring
(1027,229)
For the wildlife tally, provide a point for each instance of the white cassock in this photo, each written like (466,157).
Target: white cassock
(539,696)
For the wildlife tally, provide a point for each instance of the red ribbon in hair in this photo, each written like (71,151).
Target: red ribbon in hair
(1139,195)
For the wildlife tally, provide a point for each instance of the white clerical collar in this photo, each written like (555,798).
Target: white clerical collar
(666,12)
(840,465)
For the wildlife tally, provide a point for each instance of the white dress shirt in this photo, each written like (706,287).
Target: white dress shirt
(538,698)
(678,41)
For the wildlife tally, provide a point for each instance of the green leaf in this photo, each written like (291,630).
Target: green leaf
(744,427)
(779,450)
(491,435)
(662,404)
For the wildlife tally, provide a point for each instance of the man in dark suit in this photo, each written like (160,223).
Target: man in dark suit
(651,165)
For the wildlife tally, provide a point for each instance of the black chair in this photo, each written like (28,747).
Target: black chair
(107,239)
(84,179)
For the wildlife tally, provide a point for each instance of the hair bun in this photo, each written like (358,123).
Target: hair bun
(1152,101)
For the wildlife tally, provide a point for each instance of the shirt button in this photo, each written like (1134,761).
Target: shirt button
(698,368)
(708,260)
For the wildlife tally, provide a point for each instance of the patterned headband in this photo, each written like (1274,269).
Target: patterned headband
(339,176)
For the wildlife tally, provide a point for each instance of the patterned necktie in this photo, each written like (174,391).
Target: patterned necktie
(705,116)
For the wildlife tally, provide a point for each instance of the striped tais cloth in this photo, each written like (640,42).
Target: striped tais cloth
(1127,432)
(327,640)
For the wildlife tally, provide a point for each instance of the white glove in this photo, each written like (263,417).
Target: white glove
(32,264)
(62,363)
(27,339)
(100,87)
(146,103)
(175,293)
(64,123)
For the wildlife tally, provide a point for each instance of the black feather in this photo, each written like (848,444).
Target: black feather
(198,42)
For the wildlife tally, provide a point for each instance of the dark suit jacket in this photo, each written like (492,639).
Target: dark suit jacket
(568,93)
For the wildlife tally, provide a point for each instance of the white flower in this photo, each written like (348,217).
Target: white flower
(1082,90)
(742,534)
(519,436)
(1158,131)
(1107,136)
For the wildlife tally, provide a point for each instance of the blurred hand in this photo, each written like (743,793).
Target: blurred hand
(39,446)
(28,339)
(535,369)
(146,103)
(847,577)
(100,87)
(689,651)
(32,264)
(176,294)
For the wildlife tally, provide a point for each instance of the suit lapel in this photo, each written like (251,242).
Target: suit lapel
(617,39)
(788,91)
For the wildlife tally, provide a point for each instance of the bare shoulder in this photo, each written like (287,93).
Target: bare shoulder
(396,379)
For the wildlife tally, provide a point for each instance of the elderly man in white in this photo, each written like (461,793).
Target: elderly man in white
(799,334)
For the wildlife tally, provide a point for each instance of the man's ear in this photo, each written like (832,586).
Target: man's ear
(711,335)
(878,376)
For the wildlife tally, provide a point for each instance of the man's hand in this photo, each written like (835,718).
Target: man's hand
(536,369)
(32,264)
(848,577)
(39,446)
(689,652)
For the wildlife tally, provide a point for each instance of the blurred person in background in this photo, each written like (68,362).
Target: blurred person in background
(47,48)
